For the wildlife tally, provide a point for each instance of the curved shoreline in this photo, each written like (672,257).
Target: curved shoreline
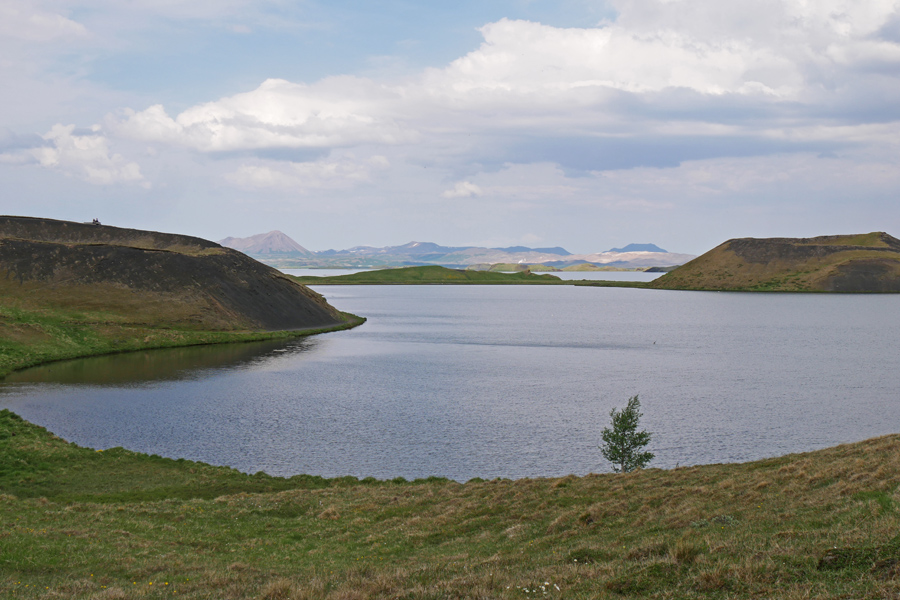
(167,338)
(117,524)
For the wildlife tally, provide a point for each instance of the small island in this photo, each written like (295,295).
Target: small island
(430,275)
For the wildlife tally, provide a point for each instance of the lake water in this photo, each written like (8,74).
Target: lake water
(497,381)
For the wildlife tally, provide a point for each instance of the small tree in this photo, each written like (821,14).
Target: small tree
(622,444)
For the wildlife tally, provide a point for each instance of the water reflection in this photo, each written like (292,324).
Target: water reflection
(153,366)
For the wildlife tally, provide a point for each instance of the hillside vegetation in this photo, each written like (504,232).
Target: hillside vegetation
(842,263)
(429,275)
(84,524)
(74,289)
(40,335)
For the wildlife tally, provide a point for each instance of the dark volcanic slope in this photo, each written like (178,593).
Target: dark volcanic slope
(149,277)
(68,232)
(835,263)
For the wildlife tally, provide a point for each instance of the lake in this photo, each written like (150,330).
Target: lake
(496,381)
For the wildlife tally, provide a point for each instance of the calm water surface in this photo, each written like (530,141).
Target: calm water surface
(488,381)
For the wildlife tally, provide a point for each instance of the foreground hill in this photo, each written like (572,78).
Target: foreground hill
(86,525)
(835,263)
(74,289)
(150,277)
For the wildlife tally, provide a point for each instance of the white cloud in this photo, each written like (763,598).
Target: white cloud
(522,186)
(335,112)
(340,173)
(463,189)
(775,184)
(648,89)
(524,58)
(86,156)
(24,20)
(745,66)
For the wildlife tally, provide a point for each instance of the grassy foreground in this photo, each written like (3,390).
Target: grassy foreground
(34,336)
(76,523)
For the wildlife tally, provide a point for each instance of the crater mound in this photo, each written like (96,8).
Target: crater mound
(862,263)
(149,278)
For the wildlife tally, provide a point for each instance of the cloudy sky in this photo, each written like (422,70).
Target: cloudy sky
(579,123)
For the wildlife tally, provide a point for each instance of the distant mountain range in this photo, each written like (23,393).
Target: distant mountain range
(278,250)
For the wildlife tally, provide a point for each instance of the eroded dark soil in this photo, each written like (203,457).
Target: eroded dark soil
(217,287)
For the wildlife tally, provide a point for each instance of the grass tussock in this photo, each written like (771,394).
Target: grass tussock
(76,523)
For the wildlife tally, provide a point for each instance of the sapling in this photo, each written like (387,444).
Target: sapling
(622,442)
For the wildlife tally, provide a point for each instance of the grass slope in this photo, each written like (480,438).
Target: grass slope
(38,335)
(848,263)
(429,275)
(80,524)
(71,290)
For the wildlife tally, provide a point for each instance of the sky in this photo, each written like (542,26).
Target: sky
(574,123)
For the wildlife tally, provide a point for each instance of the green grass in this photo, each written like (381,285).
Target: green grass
(34,336)
(872,240)
(36,464)
(430,275)
(80,524)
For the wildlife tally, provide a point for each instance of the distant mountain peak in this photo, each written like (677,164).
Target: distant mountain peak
(554,250)
(419,248)
(639,248)
(274,242)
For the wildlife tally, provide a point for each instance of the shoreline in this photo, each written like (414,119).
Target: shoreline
(165,337)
